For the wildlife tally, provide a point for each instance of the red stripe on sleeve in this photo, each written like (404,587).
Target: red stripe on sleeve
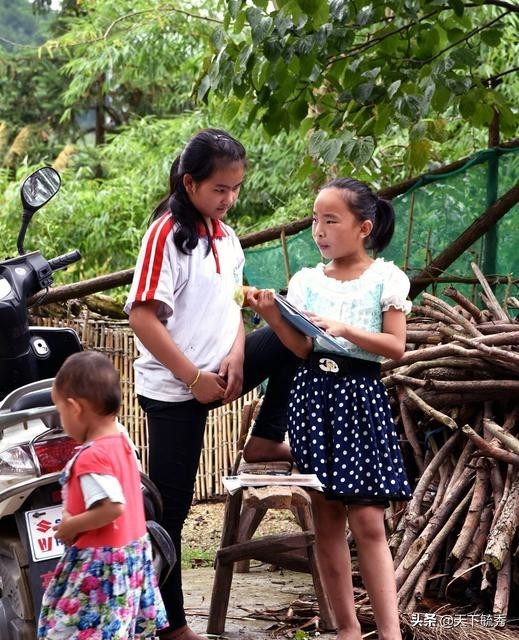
(153,257)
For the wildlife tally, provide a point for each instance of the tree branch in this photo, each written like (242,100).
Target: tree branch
(497,3)
(160,9)
(478,228)
(467,37)
(492,81)
(361,48)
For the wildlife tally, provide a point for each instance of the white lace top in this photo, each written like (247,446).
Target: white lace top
(360,302)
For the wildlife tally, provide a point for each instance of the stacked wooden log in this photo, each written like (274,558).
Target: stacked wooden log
(456,393)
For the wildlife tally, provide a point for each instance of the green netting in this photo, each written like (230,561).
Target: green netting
(429,217)
(265,266)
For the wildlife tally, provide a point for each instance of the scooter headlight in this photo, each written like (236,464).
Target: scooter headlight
(17,461)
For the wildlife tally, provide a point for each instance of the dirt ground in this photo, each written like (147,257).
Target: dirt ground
(203,529)
(257,597)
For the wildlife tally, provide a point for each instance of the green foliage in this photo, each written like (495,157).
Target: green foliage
(30,86)
(192,558)
(31,94)
(106,198)
(271,194)
(139,56)
(106,64)
(108,193)
(381,90)
(360,72)
(19,25)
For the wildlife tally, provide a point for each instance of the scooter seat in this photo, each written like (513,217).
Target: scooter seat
(32,399)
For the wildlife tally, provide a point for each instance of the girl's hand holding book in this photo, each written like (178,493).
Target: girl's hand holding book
(333,327)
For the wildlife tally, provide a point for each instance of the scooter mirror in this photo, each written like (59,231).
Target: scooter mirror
(39,188)
(36,190)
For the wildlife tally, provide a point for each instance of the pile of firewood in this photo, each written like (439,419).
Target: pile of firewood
(456,392)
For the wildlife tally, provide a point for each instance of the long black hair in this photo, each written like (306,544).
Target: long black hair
(365,205)
(208,150)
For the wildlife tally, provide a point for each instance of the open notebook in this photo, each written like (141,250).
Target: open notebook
(233,483)
(299,321)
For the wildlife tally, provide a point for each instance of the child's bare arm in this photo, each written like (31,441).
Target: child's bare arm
(100,514)
(263,303)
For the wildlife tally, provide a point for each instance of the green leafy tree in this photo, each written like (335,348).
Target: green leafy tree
(355,87)
(21,26)
(130,59)
(376,84)
(31,85)
(108,192)
(150,59)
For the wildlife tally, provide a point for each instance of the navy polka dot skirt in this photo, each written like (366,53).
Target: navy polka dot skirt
(341,429)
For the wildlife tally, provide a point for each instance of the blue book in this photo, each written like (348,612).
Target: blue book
(299,321)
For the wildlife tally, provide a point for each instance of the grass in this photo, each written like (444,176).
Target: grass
(192,558)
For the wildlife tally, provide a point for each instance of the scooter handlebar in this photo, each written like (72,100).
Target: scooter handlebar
(60,262)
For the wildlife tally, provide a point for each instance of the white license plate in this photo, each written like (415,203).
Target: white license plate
(40,524)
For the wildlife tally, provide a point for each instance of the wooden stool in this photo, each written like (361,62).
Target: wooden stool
(244,511)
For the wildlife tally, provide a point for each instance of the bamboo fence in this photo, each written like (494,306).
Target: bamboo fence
(116,340)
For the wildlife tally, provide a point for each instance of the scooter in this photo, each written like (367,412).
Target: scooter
(33,446)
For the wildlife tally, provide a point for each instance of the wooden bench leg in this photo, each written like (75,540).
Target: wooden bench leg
(236,548)
(250,519)
(266,549)
(223,571)
(220,598)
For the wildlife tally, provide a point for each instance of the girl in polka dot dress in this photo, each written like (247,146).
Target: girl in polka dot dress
(340,423)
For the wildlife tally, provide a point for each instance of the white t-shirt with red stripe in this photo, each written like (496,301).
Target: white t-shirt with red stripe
(199,296)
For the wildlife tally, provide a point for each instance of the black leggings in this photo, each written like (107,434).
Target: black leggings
(176,434)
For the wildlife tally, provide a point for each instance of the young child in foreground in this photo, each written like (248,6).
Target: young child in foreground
(340,424)
(104,586)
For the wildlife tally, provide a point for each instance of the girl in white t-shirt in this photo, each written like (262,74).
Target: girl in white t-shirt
(185,309)
(340,423)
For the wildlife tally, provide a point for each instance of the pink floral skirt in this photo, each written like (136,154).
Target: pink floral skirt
(103,593)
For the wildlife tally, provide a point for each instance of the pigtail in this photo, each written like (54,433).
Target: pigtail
(383,225)
(185,216)
(164,204)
